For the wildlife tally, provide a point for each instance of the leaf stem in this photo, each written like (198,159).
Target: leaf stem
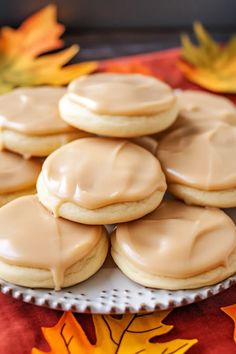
(123,333)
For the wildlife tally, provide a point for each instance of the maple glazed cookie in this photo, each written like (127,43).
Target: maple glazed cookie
(17,176)
(30,123)
(119,105)
(200,165)
(101,181)
(200,106)
(177,247)
(47,252)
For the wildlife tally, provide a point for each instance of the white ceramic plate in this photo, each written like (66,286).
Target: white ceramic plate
(109,291)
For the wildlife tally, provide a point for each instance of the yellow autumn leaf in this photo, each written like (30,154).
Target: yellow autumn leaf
(128,334)
(209,65)
(20,63)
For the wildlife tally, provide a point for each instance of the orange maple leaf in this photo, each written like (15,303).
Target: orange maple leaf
(209,65)
(231,312)
(20,48)
(126,335)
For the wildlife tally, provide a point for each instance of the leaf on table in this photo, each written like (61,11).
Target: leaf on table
(231,312)
(66,337)
(128,334)
(20,63)
(209,64)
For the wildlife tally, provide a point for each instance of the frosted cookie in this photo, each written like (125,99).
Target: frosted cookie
(101,181)
(197,106)
(30,123)
(40,251)
(200,165)
(17,176)
(119,105)
(177,247)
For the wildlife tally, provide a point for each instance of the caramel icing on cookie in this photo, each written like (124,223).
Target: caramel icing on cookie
(33,111)
(200,156)
(42,241)
(197,105)
(177,240)
(96,172)
(121,94)
(16,173)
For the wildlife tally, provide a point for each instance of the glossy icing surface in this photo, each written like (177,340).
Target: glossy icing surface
(96,172)
(198,105)
(177,240)
(121,94)
(33,111)
(16,173)
(200,156)
(42,241)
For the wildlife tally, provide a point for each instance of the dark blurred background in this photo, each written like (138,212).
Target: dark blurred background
(108,28)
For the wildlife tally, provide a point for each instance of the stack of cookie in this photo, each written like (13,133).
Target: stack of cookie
(30,128)
(114,175)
